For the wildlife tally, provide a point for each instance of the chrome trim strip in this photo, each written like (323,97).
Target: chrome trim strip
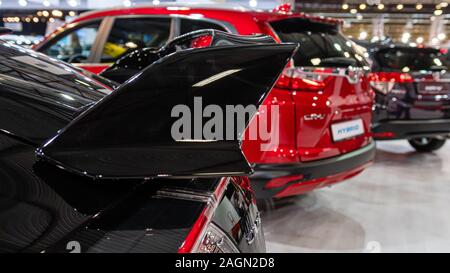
(353,74)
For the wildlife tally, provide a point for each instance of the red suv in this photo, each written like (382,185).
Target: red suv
(324,100)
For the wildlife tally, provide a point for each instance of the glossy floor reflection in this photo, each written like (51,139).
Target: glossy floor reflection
(400,204)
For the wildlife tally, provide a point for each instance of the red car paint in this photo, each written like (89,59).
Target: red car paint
(300,140)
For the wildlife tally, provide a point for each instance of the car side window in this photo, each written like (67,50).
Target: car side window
(76,45)
(129,34)
(188,25)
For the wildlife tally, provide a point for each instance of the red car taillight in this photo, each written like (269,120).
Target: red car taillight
(294,80)
(384,82)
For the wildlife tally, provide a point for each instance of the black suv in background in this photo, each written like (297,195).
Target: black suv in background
(412,86)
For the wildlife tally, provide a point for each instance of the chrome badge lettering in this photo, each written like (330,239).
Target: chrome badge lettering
(314,117)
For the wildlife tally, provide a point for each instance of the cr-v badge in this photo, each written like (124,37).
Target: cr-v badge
(314,117)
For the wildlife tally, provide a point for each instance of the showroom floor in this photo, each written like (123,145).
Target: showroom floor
(401,204)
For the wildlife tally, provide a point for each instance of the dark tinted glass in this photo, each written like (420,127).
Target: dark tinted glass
(129,34)
(76,45)
(321,45)
(410,59)
(188,25)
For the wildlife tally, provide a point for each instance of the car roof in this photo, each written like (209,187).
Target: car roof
(208,10)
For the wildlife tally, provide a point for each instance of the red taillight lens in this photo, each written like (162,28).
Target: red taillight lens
(306,84)
(296,81)
(203,41)
(391,77)
(384,82)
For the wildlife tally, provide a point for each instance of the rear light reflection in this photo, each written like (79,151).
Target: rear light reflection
(282,181)
(384,135)
(202,41)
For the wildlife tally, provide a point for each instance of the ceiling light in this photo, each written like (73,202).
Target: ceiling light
(419,6)
(353,11)
(126,3)
(399,6)
(57,13)
(362,6)
(419,40)
(363,35)
(405,37)
(441,36)
(438,12)
(253,3)
(345,6)
(23,3)
(72,3)
(380,6)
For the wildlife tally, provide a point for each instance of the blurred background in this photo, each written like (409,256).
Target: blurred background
(413,22)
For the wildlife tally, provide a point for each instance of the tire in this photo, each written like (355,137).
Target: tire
(427,144)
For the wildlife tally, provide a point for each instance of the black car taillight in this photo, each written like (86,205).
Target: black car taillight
(205,236)
(216,241)
(384,82)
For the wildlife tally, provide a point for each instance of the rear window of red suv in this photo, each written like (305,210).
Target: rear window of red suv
(321,44)
(405,59)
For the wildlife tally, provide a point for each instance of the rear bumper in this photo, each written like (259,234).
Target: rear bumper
(406,129)
(313,174)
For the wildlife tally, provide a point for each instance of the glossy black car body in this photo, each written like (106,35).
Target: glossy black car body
(412,87)
(83,171)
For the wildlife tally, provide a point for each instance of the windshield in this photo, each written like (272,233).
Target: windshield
(410,59)
(321,44)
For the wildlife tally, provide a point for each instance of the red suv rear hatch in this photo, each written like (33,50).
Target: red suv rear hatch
(327,101)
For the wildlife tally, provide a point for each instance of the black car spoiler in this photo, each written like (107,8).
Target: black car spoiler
(128,133)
